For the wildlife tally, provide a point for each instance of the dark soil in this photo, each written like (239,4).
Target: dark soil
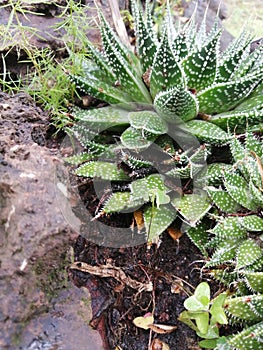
(116,306)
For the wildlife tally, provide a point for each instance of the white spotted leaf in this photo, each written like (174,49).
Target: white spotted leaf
(157,220)
(176,105)
(148,121)
(192,207)
(247,253)
(238,189)
(102,170)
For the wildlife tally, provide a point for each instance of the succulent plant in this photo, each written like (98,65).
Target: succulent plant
(248,311)
(172,87)
(175,89)
(237,236)
(235,239)
(249,339)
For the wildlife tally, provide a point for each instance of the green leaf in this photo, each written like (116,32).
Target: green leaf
(207,132)
(238,189)
(202,322)
(181,172)
(79,158)
(179,46)
(254,168)
(222,200)
(145,36)
(176,105)
(208,343)
(161,198)
(250,104)
(224,96)
(231,58)
(256,193)
(148,121)
(254,144)
(250,62)
(248,307)
(237,120)
(120,61)
(102,170)
(247,253)
(239,154)
(213,176)
(109,114)
(101,119)
(100,61)
(149,187)
(157,220)
(166,71)
(185,317)
(190,165)
(134,162)
(227,231)
(109,35)
(99,89)
(199,236)
(135,139)
(252,223)
(222,344)
(121,201)
(217,311)
(254,280)
(86,137)
(200,300)
(192,206)
(200,66)
(226,252)
(212,332)
(249,338)
(258,90)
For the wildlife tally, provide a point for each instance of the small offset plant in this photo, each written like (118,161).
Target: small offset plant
(174,89)
(204,315)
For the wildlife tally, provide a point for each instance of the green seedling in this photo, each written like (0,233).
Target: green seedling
(204,315)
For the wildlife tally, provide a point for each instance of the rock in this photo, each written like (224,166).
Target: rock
(40,24)
(212,11)
(255,44)
(34,236)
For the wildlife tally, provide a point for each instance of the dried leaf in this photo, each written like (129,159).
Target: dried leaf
(162,328)
(144,321)
(157,344)
(176,287)
(138,217)
(174,233)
